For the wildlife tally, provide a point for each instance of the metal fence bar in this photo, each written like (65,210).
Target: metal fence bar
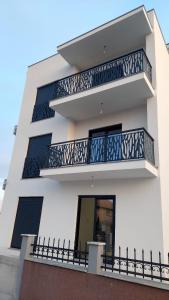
(141,268)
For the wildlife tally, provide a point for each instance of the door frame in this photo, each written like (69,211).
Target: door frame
(103,197)
(114,126)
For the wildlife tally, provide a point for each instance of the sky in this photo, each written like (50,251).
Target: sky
(31,30)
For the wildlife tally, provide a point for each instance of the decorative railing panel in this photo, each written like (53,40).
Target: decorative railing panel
(122,67)
(56,250)
(137,265)
(42,111)
(127,145)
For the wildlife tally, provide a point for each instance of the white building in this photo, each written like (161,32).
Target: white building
(102,102)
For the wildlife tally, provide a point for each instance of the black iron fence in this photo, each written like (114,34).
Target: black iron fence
(140,264)
(42,111)
(56,250)
(124,66)
(140,267)
(127,145)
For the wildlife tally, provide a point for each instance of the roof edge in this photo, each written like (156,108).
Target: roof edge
(43,59)
(87,32)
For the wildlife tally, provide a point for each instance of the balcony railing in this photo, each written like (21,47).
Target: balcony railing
(124,66)
(135,144)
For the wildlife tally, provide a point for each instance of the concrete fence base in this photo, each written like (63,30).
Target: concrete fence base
(43,282)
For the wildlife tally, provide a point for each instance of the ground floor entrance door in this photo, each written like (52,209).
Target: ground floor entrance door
(96,221)
(27,218)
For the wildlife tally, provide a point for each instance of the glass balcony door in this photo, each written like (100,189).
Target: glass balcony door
(99,143)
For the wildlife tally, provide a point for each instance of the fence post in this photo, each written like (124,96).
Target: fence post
(95,259)
(26,249)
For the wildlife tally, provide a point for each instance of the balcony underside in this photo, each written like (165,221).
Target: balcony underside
(120,170)
(119,35)
(117,95)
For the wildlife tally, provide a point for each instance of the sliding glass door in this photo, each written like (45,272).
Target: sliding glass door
(96,221)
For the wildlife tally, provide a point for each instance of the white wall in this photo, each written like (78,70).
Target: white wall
(39,74)
(162,99)
(130,119)
(138,221)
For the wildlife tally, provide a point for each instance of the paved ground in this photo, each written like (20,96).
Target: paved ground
(9,259)
(9,252)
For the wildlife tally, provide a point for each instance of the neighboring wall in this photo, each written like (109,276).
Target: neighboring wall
(42,282)
(162,93)
(8,276)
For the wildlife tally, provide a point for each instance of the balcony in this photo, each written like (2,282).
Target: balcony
(117,84)
(129,154)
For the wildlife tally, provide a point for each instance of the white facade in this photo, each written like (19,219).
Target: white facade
(141,189)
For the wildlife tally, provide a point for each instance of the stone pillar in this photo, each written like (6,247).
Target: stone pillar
(26,249)
(95,259)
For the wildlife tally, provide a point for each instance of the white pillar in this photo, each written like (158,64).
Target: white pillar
(95,259)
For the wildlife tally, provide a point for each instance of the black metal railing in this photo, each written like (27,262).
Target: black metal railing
(148,268)
(42,111)
(124,66)
(56,250)
(33,165)
(127,145)
(141,264)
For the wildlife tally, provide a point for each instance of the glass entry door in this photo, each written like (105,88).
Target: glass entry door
(96,221)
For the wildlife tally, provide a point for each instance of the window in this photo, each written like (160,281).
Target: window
(37,155)
(27,218)
(41,109)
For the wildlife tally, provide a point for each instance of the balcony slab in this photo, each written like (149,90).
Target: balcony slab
(119,36)
(117,170)
(116,95)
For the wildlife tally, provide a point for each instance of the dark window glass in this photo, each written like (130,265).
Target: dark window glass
(41,109)
(27,218)
(36,156)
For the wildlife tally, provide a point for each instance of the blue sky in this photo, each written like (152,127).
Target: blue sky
(31,30)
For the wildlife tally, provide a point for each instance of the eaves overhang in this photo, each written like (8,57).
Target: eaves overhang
(108,40)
